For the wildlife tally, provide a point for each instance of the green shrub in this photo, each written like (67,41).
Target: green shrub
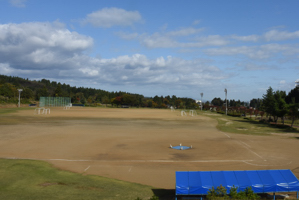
(250,194)
(220,193)
(233,192)
(154,198)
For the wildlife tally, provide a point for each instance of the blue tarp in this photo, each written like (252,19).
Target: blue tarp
(261,181)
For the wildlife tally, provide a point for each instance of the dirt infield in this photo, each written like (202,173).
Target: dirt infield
(133,144)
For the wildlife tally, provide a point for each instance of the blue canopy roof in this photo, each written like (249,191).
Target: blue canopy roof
(261,181)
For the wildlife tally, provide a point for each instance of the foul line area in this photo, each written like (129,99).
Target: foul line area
(137,161)
(246,146)
(248,162)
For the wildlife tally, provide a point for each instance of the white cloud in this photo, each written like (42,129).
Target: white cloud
(196,22)
(89,72)
(5,68)
(18,3)
(39,45)
(158,41)
(272,35)
(138,70)
(275,35)
(249,66)
(127,36)
(282,82)
(185,31)
(255,52)
(211,40)
(49,50)
(175,39)
(108,17)
(249,38)
(160,62)
(285,86)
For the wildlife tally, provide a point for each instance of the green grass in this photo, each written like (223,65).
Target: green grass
(27,179)
(250,126)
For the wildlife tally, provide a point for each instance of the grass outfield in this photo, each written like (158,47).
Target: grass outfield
(27,179)
(248,126)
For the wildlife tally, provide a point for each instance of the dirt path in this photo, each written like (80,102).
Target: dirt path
(133,144)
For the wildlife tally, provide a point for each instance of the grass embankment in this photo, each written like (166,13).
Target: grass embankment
(246,125)
(27,179)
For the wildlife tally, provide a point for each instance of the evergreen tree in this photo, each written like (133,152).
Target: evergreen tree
(294,93)
(281,107)
(58,91)
(42,93)
(269,103)
(293,110)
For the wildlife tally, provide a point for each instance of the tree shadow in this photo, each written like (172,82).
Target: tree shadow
(280,127)
(164,194)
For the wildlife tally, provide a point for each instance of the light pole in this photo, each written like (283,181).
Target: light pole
(225,90)
(20,90)
(201,94)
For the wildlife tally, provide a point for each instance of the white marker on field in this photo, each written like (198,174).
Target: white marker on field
(87,168)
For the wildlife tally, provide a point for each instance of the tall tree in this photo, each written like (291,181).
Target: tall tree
(269,102)
(217,101)
(293,111)
(294,93)
(117,100)
(58,91)
(281,107)
(27,93)
(8,90)
(105,100)
(129,99)
(255,103)
(43,92)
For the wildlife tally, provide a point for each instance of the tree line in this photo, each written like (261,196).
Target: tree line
(274,104)
(33,90)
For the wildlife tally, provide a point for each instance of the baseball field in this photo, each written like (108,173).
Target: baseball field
(134,144)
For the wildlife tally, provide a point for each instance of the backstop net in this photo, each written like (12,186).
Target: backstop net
(54,101)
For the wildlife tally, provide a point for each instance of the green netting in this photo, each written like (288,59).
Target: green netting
(54,101)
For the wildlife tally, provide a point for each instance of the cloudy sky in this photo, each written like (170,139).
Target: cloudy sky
(154,47)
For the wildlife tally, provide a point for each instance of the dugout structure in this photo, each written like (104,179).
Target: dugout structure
(54,101)
(198,183)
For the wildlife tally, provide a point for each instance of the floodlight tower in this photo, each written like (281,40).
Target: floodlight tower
(225,90)
(20,90)
(201,94)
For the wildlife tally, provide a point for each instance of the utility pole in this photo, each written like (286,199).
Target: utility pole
(201,94)
(20,90)
(225,90)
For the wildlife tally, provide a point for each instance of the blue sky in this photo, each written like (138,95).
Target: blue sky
(169,47)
